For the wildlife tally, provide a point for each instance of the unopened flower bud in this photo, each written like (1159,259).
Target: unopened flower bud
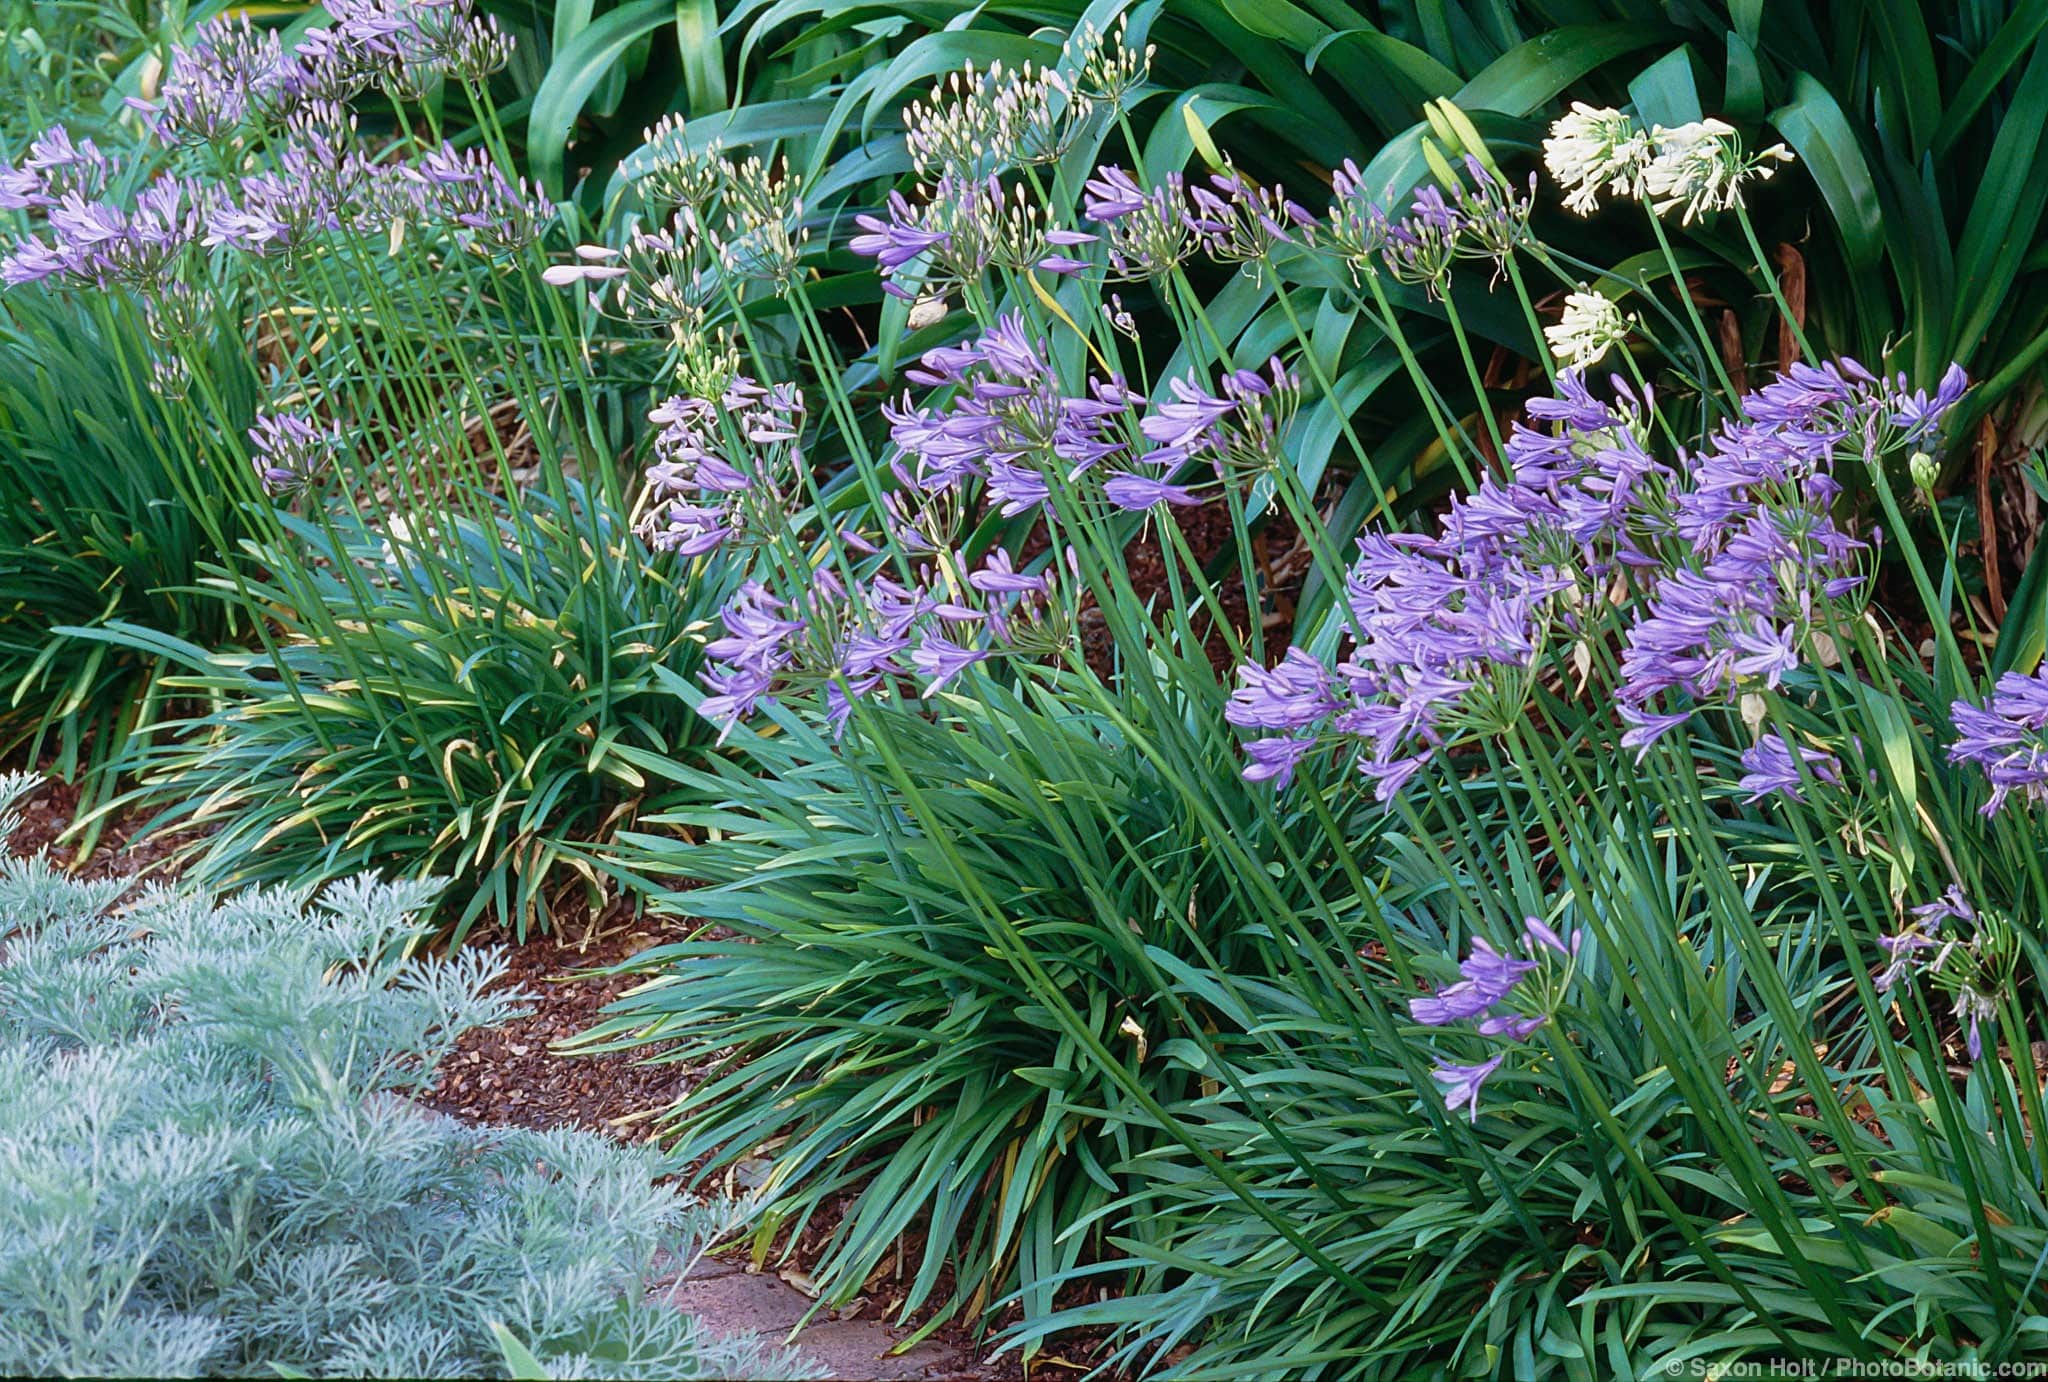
(1922,468)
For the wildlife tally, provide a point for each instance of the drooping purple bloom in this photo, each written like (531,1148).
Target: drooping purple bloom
(723,470)
(941,659)
(1488,977)
(1513,1026)
(2007,739)
(1772,770)
(1538,933)
(1293,695)
(1462,1083)
(1133,493)
(895,241)
(1274,760)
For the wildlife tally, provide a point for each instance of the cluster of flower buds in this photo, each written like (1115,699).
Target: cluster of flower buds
(1147,230)
(1107,68)
(745,217)
(1590,325)
(237,81)
(290,449)
(757,230)
(959,229)
(1484,219)
(976,123)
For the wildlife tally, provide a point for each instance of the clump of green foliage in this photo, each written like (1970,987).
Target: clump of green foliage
(210,1165)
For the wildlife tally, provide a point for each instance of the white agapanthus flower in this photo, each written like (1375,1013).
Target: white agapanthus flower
(1590,326)
(1590,147)
(1700,167)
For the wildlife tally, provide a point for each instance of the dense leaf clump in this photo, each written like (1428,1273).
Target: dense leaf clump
(209,1165)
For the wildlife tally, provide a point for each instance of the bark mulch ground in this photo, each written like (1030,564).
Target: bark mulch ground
(46,813)
(509,1074)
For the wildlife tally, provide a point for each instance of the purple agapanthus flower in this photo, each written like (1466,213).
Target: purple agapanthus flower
(290,449)
(1489,976)
(2007,739)
(1772,770)
(1462,1083)
(1295,694)
(894,241)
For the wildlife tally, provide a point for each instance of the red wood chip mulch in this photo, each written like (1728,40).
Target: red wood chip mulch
(509,1075)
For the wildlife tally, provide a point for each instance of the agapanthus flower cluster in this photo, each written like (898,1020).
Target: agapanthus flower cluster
(1693,169)
(1590,325)
(467,193)
(1964,953)
(1150,231)
(236,80)
(1701,167)
(958,229)
(1006,421)
(977,122)
(1449,630)
(1489,993)
(1147,230)
(662,279)
(316,185)
(755,226)
(238,88)
(1771,767)
(97,243)
(1239,221)
(290,449)
(2007,738)
(1761,564)
(887,634)
(675,169)
(56,167)
(1107,67)
(1724,567)
(1591,149)
(999,432)
(725,470)
(1486,219)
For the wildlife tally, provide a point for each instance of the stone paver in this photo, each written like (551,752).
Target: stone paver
(730,1300)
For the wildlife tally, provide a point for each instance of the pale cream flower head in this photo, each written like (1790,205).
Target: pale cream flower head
(1700,167)
(1590,326)
(1592,147)
(1695,168)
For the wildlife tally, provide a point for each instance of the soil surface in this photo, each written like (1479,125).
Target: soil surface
(508,1074)
(46,813)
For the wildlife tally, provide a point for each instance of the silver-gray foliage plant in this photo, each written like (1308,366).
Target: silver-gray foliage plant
(209,1162)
